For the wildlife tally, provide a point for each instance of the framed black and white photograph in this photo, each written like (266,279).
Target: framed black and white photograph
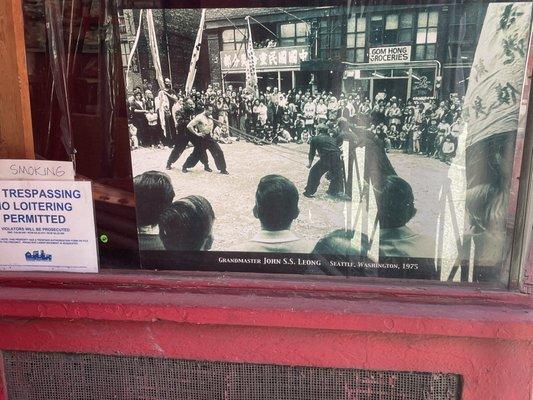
(373,141)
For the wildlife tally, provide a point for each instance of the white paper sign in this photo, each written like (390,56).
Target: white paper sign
(47,226)
(36,170)
(385,55)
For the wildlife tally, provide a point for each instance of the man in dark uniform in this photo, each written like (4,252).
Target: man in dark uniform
(330,162)
(201,126)
(183,136)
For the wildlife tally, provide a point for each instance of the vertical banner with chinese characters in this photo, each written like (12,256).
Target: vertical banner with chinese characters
(493,96)
(251,73)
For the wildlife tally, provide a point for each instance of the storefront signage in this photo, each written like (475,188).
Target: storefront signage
(266,58)
(47,226)
(386,55)
(423,83)
(36,170)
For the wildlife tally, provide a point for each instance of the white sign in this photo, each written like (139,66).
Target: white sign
(265,58)
(47,226)
(35,170)
(387,55)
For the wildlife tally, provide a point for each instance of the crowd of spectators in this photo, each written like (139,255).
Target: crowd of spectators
(419,126)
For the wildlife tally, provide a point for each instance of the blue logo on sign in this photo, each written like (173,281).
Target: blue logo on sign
(38,256)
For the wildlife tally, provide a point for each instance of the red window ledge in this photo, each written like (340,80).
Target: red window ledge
(485,335)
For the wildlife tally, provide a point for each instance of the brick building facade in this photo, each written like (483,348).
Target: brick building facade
(408,51)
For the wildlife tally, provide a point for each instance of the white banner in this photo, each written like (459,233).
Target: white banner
(387,55)
(494,91)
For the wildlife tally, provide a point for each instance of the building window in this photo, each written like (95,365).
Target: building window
(356,39)
(376,29)
(426,35)
(463,34)
(390,35)
(329,39)
(293,34)
(233,39)
(405,31)
(125,50)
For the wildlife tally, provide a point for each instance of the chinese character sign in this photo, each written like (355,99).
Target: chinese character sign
(267,58)
(493,96)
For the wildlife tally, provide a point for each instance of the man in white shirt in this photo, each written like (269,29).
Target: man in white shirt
(276,206)
(202,127)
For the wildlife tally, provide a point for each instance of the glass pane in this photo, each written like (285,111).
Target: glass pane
(420,52)
(301,29)
(405,36)
(239,34)
(390,37)
(360,42)
(351,25)
(228,35)
(360,55)
(287,30)
(350,55)
(430,51)
(376,32)
(423,19)
(433,18)
(406,21)
(391,22)
(421,36)
(432,35)
(361,24)
(423,243)
(350,40)
(286,42)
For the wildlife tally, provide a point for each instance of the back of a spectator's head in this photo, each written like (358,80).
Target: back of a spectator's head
(187,224)
(276,202)
(153,194)
(395,203)
(341,242)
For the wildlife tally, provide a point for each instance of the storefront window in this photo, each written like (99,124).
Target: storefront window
(356,39)
(410,203)
(233,39)
(426,35)
(293,33)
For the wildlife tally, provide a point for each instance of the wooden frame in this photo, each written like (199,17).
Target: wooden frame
(16,135)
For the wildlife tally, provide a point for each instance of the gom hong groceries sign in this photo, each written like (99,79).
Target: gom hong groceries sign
(394,54)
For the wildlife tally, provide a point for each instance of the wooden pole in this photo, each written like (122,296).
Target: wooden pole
(16,135)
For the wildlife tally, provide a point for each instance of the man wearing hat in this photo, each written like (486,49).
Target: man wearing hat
(329,163)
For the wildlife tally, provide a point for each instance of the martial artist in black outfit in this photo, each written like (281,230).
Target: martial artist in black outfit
(330,162)
(183,136)
(201,126)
